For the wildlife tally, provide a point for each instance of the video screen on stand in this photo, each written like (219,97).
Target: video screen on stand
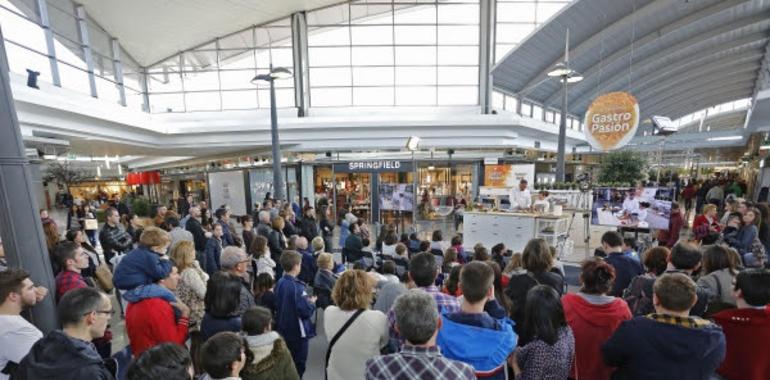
(647,207)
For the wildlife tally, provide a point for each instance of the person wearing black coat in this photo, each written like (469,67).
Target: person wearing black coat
(277,242)
(308,226)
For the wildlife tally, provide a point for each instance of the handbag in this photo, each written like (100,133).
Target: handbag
(91,224)
(337,337)
(104,277)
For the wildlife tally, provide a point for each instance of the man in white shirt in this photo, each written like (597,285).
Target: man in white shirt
(631,203)
(17,292)
(520,197)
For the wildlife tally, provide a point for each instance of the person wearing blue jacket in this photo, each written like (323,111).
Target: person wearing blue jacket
(668,344)
(472,335)
(294,309)
(146,264)
(742,239)
(213,251)
(223,216)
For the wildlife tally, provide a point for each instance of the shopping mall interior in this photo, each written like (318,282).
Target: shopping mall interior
(464,123)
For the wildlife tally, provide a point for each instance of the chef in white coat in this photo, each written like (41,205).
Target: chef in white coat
(520,197)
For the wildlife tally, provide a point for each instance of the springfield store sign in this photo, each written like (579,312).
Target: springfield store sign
(373,166)
(611,120)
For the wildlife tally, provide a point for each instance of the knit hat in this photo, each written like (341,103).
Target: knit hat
(232,256)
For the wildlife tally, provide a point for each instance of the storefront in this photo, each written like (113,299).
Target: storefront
(443,184)
(96,190)
(261,183)
(178,186)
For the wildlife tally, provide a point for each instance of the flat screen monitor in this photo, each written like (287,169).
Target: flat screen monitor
(644,208)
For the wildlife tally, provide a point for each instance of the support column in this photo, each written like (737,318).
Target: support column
(85,43)
(145,91)
(20,224)
(117,67)
(300,54)
(45,22)
(486,51)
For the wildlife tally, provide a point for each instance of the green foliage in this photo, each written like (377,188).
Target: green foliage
(64,173)
(141,207)
(625,167)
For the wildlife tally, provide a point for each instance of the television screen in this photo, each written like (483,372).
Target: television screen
(396,197)
(648,207)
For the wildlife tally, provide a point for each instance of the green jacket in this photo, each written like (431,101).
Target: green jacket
(272,359)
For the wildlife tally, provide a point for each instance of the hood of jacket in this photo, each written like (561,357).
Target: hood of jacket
(678,342)
(484,349)
(599,315)
(262,345)
(58,354)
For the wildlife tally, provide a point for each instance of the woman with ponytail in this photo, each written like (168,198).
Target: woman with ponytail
(593,317)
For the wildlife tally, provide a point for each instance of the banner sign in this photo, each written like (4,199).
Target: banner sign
(507,175)
(373,166)
(611,120)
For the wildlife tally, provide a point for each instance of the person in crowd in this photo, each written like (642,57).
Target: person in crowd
(716,195)
(551,346)
(452,283)
(191,288)
(45,218)
(167,361)
(113,238)
(224,355)
(212,255)
(764,225)
(223,295)
(388,292)
(263,224)
(263,291)
(556,265)
(325,278)
(177,233)
(626,268)
(668,344)
(363,229)
(717,277)
(277,243)
(471,330)
(354,243)
(68,353)
(389,244)
(457,244)
(515,267)
(248,234)
(119,204)
(389,271)
(160,216)
(414,243)
(706,223)
(272,359)
(364,337)
(498,251)
(153,320)
(747,328)
(79,237)
(309,225)
(290,225)
(629,248)
(743,239)
(260,250)
(326,226)
(73,261)
(87,214)
(51,234)
(146,264)
(73,218)
(480,253)
(450,260)
(132,225)
(294,309)
(537,262)
(184,204)
(318,246)
(308,266)
(17,294)
(437,243)
(500,283)
(520,197)
(235,261)
(193,225)
(423,272)
(223,218)
(731,206)
(542,203)
(593,316)
(345,223)
(638,295)
(418,320)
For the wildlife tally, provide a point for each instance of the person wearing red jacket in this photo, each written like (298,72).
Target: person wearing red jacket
(671,236)
(153,320)
(706,223)
(593,316)
(747,328)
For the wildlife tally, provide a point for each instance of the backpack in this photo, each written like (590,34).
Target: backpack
(638,295)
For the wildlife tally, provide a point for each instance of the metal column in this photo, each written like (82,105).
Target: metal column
(145,90)
(300,54)
(85,42)
(117,66)
(561,151)
(45,22)
(20,224)
(486,51)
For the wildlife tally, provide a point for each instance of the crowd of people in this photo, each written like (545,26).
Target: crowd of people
(207,299)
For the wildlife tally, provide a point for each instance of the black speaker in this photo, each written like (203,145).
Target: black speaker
(328,154)
(32,78)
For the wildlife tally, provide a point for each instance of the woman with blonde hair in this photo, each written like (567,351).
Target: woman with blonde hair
(191,289)
(366,334)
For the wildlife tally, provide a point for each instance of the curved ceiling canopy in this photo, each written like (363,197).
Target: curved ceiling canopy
(675,56)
